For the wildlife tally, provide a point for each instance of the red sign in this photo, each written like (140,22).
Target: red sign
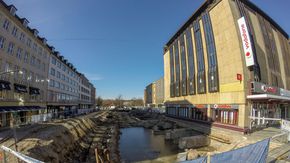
(239,77)
(248,52)
(200,106)
(269,89)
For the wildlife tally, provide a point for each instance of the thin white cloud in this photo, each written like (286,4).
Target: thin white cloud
(94,77)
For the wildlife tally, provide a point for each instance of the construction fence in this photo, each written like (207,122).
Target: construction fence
(10,119)
(257,153)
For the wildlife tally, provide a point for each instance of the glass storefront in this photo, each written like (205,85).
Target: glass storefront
(225,116)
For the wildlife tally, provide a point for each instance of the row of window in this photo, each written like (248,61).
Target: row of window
(56,97)
(7,26)
(21,55)
(16,96)
(84,97)
(63,67)
(85,90)
(225,116)
(61,76)
(184,55)
(25,74)
(62,86)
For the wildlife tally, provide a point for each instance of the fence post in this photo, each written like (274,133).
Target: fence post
(4,157)
(97,155)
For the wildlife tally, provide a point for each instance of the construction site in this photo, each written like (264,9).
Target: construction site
(95,137)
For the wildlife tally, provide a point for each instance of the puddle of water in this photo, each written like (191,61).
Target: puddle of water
(140,144)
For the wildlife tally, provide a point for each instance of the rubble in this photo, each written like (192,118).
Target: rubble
(193,142)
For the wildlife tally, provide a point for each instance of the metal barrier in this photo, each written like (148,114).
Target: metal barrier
(263,121)
(19,156)
(16,120)
(285,126)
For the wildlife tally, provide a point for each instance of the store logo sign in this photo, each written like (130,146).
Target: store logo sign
(247,45)
(268,89)
(258,87)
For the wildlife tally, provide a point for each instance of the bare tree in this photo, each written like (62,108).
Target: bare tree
(99,101)
(119,101)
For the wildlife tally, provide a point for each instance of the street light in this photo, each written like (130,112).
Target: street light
(11,72)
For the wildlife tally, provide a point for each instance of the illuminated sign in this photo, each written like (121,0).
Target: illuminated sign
(248,50)
(224,106)
(264,88)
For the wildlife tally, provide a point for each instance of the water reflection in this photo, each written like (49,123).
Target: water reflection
(139,144)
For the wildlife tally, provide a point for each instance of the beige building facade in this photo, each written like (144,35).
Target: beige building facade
(154,94)
(227,66)
(24,57)
(34,78)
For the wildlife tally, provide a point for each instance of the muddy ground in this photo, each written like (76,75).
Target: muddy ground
(76,139)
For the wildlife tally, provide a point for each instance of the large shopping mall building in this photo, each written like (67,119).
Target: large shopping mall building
(228,66)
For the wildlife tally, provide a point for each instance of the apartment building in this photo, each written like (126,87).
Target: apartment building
(84,93)
(93,96)
(227,66)
(63,88)
(24,59)
(149,95)
(34,78)
(154,94)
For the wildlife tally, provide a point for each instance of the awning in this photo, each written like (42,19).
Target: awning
(7,109)
(20,88)
(267,97)
(34,91)
(4,85)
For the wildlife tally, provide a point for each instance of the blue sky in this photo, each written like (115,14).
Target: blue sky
(118,44)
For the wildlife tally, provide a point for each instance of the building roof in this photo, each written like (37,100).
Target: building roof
(41,39)
(205,5)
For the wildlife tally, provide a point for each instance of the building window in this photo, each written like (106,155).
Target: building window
(2,41)
(200,59)
(190,62)
(35,47)
(40,51)
(62,77)
(28,43)
(14,31)
(32,61)
(6,24)
(26,57)
(53,60)
(58,74)
(177,69)
(44,55)
(225,116)
(10,48)
(22,36)
(19,53)
(38,64)
(211,53)
(58,64)
(24,74)
(183,66)
(51,83)
(52,71)
(57,84)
